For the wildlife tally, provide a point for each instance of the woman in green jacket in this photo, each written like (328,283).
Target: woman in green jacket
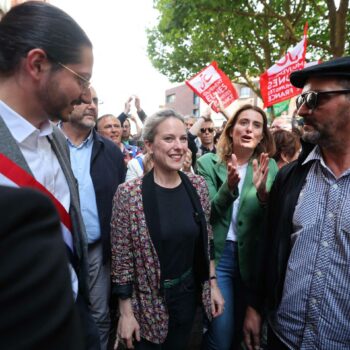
(239,178)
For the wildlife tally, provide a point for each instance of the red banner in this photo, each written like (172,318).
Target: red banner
(211,81)
(275,86)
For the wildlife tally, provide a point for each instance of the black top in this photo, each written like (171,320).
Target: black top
(179,230)
(205,150)
(273,262)
(37,307)
(193,147)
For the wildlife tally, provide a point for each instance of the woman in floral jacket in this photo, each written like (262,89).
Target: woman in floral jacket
(162,246)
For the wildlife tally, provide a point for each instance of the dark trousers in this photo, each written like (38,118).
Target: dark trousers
(181,304)
(92,337)
(273,342)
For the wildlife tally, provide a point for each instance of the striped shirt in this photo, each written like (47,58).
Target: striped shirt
(314,312)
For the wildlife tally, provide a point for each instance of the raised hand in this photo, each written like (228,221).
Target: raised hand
(207,111)
(220,106)
(260,172)
(232,172)
(137,103)
(187,162)
(127,105)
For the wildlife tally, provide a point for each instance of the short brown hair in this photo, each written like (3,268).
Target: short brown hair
(286,142)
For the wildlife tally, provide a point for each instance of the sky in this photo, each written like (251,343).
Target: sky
(117,29)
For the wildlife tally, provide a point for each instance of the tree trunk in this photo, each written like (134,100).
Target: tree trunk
(337,25)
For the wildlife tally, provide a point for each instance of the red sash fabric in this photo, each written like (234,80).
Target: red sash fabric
(13,175)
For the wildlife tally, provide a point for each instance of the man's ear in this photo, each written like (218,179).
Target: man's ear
(36,62)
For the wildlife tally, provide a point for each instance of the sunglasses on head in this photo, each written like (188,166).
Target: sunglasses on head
(203,130)
(311,98)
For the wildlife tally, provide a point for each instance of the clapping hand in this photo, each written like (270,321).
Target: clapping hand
(260,172)
(137,103)
(127,106)
(232,172)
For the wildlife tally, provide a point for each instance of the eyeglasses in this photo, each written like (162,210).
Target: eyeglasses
(85,83)
(311,98)
(203,130)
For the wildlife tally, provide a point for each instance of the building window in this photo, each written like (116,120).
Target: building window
(195,112)
(244,92)
(195,99)
(170,98)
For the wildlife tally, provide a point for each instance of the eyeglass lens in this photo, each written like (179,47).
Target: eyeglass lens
(203,130)
(309,98)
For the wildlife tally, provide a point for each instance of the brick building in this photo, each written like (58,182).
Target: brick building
(186,102)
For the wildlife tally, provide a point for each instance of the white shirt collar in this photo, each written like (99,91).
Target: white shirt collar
(19,127)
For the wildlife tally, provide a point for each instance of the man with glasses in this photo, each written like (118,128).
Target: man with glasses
(45,65)
(98,165)
(307,255)
(206,135)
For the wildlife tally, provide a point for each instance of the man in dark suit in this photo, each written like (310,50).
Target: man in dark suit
(45,65)
(37,307)
(99,167)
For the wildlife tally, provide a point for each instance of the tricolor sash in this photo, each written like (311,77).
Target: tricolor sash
(13,175)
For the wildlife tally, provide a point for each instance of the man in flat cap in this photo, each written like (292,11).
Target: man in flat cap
(306,266)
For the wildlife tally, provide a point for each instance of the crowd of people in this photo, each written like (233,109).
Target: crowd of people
(113,239)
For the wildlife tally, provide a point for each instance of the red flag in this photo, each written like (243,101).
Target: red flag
(211,81)
(275,86)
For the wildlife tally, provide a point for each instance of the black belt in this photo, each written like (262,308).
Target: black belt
(174,282)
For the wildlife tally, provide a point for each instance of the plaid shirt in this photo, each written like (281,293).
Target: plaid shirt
(314,312)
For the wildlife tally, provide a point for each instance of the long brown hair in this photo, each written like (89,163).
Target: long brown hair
(225,143)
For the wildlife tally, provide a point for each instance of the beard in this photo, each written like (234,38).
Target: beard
(319,136)
(55,102)
(313,136)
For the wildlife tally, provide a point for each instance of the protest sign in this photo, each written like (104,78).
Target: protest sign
(211,82)
(275,86)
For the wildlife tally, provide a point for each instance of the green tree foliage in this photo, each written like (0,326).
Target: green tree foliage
(244,37)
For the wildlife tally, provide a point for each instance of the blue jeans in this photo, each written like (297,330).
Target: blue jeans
(222,331)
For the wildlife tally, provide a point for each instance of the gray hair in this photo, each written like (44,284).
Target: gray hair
(152,122)
(99,120)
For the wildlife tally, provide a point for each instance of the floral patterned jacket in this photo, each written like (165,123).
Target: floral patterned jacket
(135,261)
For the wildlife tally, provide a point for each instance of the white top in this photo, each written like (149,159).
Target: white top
(134,169)
(232,231)
(38,153)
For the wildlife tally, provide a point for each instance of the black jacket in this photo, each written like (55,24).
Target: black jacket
(279,227)
(107,171)
(37,307)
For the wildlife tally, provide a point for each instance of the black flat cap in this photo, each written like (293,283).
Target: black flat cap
(338,68)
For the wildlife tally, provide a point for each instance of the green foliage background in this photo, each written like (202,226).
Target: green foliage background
(244,37)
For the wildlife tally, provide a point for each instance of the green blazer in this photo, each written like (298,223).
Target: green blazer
(250,215)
